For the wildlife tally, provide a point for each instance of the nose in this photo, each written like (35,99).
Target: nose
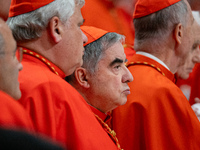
(85,39)
(20,66)
(196,57)
(127,77)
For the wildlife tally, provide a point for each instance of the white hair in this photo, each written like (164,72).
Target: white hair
(30,25)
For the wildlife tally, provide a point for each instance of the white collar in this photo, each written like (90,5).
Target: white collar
(152,57)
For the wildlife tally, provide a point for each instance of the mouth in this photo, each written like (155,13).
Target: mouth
(189,70)
(127,91)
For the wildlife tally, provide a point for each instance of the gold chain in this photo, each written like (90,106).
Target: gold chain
(145,63)
(41,58)
(111,133)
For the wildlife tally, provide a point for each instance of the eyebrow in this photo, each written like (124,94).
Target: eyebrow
(197,42)
(116,60)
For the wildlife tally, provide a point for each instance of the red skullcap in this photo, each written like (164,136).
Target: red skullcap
(147,7)
(92,33)
(19,7)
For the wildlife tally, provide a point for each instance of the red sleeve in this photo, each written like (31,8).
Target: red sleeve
(13,115)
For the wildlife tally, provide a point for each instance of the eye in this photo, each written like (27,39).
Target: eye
(117,67)
(195,46)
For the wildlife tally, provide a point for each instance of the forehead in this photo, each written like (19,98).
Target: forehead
(115,51)
(189,13)
(76,16)
(196,29)
(6,33)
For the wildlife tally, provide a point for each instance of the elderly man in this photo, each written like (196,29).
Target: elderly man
(13,114)
(187,75)
(103,78)
(190,86)
(157,115)
(15,124)
(185,72)
(49,32)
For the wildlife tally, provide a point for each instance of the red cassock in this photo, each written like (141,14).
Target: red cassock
(157,116)
(104,120)
(13,115)
(56,108)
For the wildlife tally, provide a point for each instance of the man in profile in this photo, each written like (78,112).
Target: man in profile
(157,116)
(52,41)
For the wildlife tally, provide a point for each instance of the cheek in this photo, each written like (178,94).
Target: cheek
(112,87)
(78,35)
(78,43)
(13,71)
(10,76)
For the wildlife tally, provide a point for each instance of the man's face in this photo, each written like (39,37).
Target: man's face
(108,84)
(188,35)
(193,56)
(9,64)
(70,56)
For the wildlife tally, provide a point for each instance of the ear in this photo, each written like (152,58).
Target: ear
(82,77)
(56,28)
(178,33)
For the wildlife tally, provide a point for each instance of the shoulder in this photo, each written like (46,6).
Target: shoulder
(14,113)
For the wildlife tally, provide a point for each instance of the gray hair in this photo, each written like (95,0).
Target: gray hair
(155,28)
(30,25)
(95,51)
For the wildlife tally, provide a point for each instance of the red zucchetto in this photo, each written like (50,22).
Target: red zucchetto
(92,33)
(147,7)
(19,7)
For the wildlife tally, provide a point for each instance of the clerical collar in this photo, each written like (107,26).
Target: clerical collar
(51,66)
(104,116)
(152,57)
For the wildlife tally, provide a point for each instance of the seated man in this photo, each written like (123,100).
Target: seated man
(183,75)
(52,41)
(15,124)
(157,116)
(102,79)
(13,114)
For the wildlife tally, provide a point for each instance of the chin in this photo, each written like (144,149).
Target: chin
(185,77)
(17,95)
(70,71)
(124,102)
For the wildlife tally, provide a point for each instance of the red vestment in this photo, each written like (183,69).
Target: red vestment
(13,115)
(56,108)
(103,14)
(157,116)
(104,120)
